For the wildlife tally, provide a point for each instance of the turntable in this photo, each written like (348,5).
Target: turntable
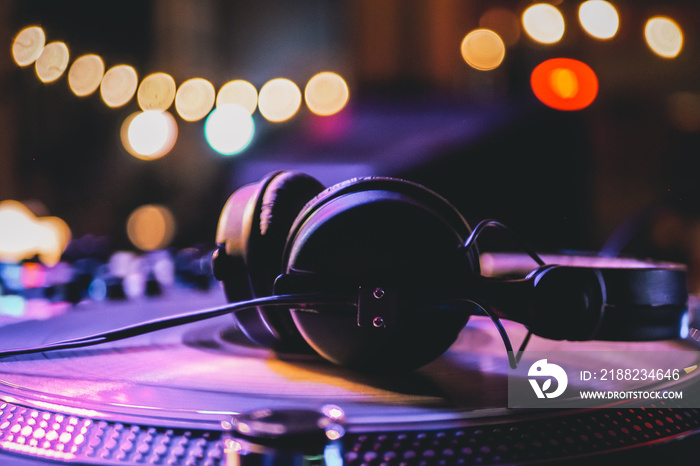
(170,397)
(355,287)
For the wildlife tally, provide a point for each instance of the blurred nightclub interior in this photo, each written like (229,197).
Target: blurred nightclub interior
(418,107)
(126,125)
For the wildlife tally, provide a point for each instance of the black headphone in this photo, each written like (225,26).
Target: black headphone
(382,274)
(410,258)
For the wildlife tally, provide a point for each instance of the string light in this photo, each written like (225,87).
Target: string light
(118,85)
(238,92)
(194,99)
(156,92)
(85,75)
(52,62)
(326,94)
(28,45)
(279,100)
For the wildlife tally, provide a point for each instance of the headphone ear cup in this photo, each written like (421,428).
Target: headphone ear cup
(228,262)
(252,231)
(390,234)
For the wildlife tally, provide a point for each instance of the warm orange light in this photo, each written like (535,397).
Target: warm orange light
(118,85)
(326,93)
(156,92)
(483,49)
(28,45)
(17,238)
(54,236)
(194,99)
(664,36)
(151,227)
(26,235)
(279,100)
(564,84)
(85,74)
(52,62)
(238,92)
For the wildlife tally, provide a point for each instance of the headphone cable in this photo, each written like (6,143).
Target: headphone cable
(469,244)
(297,301)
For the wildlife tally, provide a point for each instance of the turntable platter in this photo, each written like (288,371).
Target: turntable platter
(199,375)
(201,371)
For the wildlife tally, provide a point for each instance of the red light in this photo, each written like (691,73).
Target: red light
(564,84)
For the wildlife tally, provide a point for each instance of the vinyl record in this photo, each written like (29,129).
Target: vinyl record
(165,396)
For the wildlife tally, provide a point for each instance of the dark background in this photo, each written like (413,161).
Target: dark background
(563,180)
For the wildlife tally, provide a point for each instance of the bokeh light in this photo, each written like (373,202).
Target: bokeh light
(483,49)
(229,129)
(279,100)
(19,240)
(149,135)
(156,92)
(32,275)
(12,305)
(52,62)
(564,84)
(54,236)
(544,23)
(118,85)
(194,99)
(663,36)
(238,92)
(599,19)
(150,227)
(28,236)
(124,134)
(326,93)
(85,74)
(28,45)
(11,275)
(503,22)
